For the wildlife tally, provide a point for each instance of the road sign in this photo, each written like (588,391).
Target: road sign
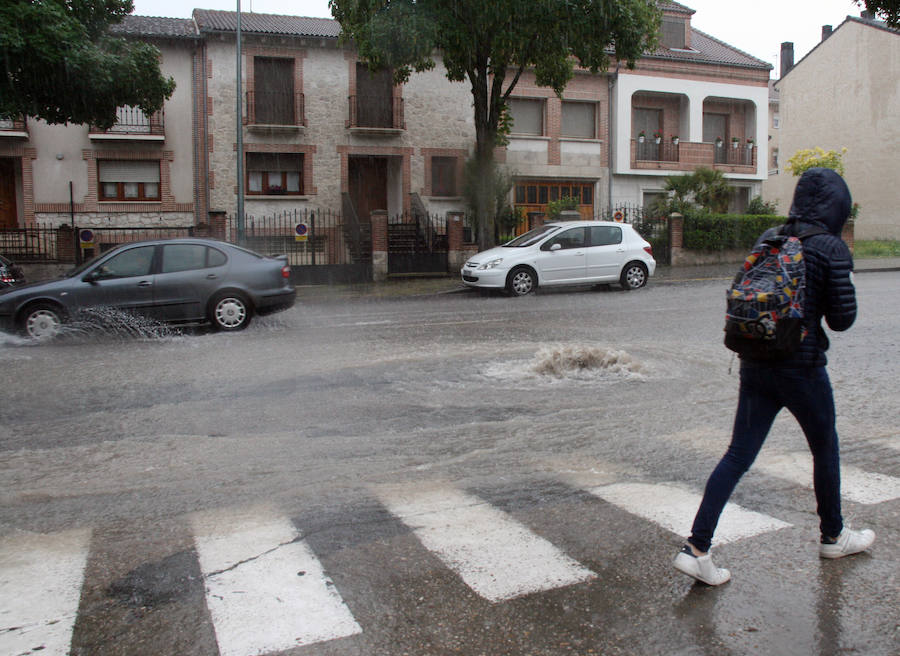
(301,232)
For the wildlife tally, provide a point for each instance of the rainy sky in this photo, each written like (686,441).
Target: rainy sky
(757,28)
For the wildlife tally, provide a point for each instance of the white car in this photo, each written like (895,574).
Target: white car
(564,253)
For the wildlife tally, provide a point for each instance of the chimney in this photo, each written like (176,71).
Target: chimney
(867,15)
(787,57)
(826,31)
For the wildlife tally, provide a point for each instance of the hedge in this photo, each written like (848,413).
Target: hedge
(717,232)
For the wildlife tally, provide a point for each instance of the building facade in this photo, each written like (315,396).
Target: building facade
(319,130)
(845,93)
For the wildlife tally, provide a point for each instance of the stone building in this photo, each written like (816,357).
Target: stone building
(322,132)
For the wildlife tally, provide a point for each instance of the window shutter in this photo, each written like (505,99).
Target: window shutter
(127,171)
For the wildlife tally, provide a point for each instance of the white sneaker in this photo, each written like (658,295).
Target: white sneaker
(700,567)
(848,542)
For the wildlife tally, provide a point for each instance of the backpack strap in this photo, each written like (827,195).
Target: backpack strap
(789,229)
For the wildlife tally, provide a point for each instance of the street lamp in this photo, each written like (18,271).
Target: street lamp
(240,135)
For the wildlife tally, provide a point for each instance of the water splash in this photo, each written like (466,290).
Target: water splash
(109,322)
(561,362)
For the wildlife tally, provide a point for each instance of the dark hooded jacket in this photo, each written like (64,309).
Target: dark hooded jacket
(822,200)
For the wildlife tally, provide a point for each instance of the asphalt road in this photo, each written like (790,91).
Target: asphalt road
(435,474)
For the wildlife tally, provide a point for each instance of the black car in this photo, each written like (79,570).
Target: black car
(176,280)
(10,273)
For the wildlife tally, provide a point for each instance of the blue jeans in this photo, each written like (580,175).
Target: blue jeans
(765,390)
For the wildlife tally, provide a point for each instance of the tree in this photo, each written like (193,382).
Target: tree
(491,43)
(811,157)
(704,187)
(59,63)
(889,10)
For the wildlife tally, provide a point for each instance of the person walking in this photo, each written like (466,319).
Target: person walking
(799,383)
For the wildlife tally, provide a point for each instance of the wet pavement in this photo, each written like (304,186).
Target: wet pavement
(405,286)
(180,483)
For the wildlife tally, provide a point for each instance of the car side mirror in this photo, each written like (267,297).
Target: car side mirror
(556,247)
(93,276)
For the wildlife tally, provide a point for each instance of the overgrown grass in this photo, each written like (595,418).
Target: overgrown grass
(876,248)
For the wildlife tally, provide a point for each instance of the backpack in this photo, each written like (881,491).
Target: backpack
(764,305)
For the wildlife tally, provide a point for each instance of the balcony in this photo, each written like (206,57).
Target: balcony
(132,124)
(15,128)
(275,111)
(687,156)
(376,115)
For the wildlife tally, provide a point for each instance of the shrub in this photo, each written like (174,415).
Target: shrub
(716,232)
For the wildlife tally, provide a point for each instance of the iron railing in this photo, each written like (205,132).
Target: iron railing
(32,244)
(134,121)
(376,111)
(735,155)
(275,108)
(664,151)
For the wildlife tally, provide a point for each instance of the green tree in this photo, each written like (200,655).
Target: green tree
(704,187)
(889,10)
(60,64)
(491,43)
(812,157)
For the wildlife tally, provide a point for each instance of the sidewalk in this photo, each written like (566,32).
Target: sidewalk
(428,286)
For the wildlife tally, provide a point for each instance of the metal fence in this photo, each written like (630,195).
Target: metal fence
(33,244)
(648,225)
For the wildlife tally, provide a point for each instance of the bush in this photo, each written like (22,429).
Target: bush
(718,232)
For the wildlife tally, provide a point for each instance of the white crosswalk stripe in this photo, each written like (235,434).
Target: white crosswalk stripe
(265,589)
(40,585)
(856,485)
(673,508)
(493,554)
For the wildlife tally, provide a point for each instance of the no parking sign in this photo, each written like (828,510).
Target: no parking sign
(301,232)
(618,216)
(86,237)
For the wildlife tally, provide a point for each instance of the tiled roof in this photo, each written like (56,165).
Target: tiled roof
(666,5)
(709,50)
(209,20)
(154,26)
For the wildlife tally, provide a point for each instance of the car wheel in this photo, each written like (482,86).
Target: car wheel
(42,321)
(634,276)
(230,311)
(521,281)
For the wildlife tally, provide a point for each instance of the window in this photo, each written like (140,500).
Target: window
(574,238)
(273,93)
(375,97)
(578,120)
(714,127)
(128,180)
(605,235)
(185,257)
(527,116)
(672,32)
(130,263)
(275,173)
(647,121)
(443,176)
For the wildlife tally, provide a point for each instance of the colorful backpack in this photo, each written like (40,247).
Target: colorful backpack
(764,313)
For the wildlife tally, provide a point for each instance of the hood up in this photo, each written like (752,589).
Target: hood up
(821,198)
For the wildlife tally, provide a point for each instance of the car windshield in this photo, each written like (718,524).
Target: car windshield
(531,237)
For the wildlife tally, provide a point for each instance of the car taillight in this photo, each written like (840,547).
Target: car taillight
(285,272)
(649,250)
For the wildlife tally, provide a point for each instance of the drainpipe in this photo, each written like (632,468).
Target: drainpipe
(611,83)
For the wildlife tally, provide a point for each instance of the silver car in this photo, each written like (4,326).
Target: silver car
(184,281)
(564,253)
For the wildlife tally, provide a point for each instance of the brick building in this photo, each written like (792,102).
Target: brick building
(319,130)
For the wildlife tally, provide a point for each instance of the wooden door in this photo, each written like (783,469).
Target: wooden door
(368,185)
(8,215)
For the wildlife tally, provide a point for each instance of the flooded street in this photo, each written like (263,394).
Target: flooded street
(356,444)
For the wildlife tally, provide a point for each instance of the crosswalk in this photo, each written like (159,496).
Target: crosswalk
(259,571)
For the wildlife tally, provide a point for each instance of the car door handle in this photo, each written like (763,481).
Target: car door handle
(211,276)
(145,283)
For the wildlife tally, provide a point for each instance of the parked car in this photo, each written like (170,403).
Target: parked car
(177,280)
(564,253)
(10,273)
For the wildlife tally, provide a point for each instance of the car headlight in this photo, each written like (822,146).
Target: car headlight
(491,264)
